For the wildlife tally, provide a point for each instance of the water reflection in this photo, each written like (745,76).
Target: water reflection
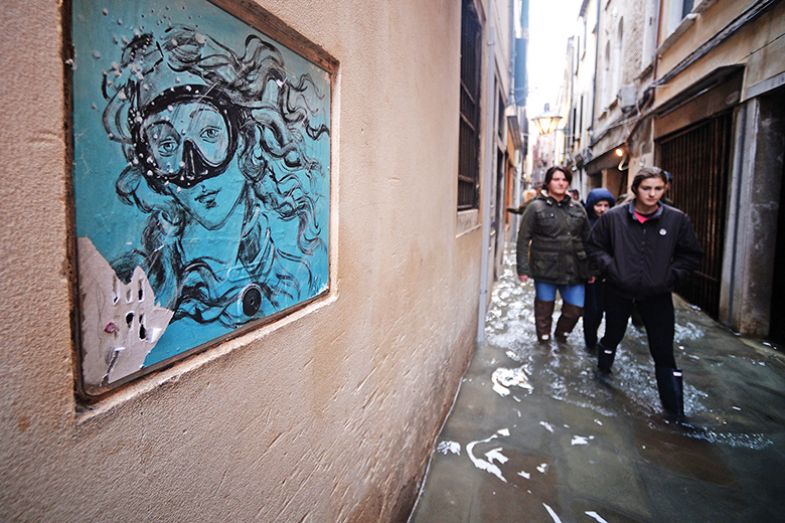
(717,409)
(546,438)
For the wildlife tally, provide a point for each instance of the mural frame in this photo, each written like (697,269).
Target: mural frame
(258,19)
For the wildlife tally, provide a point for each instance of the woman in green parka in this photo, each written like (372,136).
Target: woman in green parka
(551,250)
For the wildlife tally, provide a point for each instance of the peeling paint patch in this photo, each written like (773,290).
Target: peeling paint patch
(449,447)
(524,474)
(542,467)
(121,323)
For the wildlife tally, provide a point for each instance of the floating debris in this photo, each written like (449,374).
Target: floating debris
(487,465)
(551,513)
(449,447)
(581,440)
(547,426)
(496,455)
(595,516)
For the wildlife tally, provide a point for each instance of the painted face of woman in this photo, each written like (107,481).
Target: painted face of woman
(190,145)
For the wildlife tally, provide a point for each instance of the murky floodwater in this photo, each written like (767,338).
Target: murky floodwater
(537,435)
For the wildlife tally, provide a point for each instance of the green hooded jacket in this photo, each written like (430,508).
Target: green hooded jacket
(552,241)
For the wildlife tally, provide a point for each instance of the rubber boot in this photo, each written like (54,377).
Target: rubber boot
(543,316)
(671,388)
(605,358)
(589,337)
(570,314)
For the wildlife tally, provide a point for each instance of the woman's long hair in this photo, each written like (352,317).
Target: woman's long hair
(275,124)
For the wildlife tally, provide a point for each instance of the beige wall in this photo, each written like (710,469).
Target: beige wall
(328,414)
(584,77)
(758,45)
(631,17)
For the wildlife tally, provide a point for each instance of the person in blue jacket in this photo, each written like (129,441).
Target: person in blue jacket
(597,203)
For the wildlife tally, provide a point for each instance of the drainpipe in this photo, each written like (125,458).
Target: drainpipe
(657,29)
(487,175)
(516,187)
(594,78)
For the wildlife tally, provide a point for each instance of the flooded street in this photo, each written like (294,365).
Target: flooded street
(536,435)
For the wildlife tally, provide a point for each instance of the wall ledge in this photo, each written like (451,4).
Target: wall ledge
(467,221)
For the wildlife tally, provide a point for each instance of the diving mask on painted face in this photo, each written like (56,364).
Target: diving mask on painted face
(185,136)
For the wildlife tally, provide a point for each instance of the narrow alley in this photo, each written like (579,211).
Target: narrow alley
(536,435)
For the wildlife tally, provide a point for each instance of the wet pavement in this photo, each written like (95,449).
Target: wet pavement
(536,435)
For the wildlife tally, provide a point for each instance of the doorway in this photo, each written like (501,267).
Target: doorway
(699,158)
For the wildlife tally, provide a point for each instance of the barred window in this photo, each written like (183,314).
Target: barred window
(469,137)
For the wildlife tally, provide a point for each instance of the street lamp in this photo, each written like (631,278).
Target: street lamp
(547,122)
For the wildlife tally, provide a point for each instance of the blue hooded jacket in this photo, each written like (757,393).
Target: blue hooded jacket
(597,195)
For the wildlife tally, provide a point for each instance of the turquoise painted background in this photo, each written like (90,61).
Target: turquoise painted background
(288,207)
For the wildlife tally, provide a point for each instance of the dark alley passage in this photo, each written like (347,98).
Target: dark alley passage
(535,435)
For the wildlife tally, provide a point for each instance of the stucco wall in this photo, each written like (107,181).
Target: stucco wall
(758,46)
(631,16)
(327,414)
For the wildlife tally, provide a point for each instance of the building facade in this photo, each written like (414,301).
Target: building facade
(694,87)
(718,126)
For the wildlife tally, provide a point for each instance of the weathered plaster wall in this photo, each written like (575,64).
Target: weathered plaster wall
(328,414)
(608,112)
(758,45)
(756,182)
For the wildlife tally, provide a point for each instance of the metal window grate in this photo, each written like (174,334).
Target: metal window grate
(469,134)
(699,158)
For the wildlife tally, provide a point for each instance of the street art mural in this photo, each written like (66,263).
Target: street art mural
(201,175)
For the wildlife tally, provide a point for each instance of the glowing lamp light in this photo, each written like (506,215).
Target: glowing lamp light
(547,122)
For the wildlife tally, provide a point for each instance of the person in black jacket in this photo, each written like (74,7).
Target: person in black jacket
(644,248)
(598,202)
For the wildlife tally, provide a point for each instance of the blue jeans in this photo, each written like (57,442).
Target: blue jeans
(572,294)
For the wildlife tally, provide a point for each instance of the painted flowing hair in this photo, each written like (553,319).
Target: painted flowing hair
(275,126)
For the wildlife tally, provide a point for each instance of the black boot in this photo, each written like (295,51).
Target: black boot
(605,358)
(671,389)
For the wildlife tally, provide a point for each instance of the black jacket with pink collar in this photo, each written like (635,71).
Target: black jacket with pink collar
(644,259)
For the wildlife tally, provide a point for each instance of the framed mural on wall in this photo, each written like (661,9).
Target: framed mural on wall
(200,176)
